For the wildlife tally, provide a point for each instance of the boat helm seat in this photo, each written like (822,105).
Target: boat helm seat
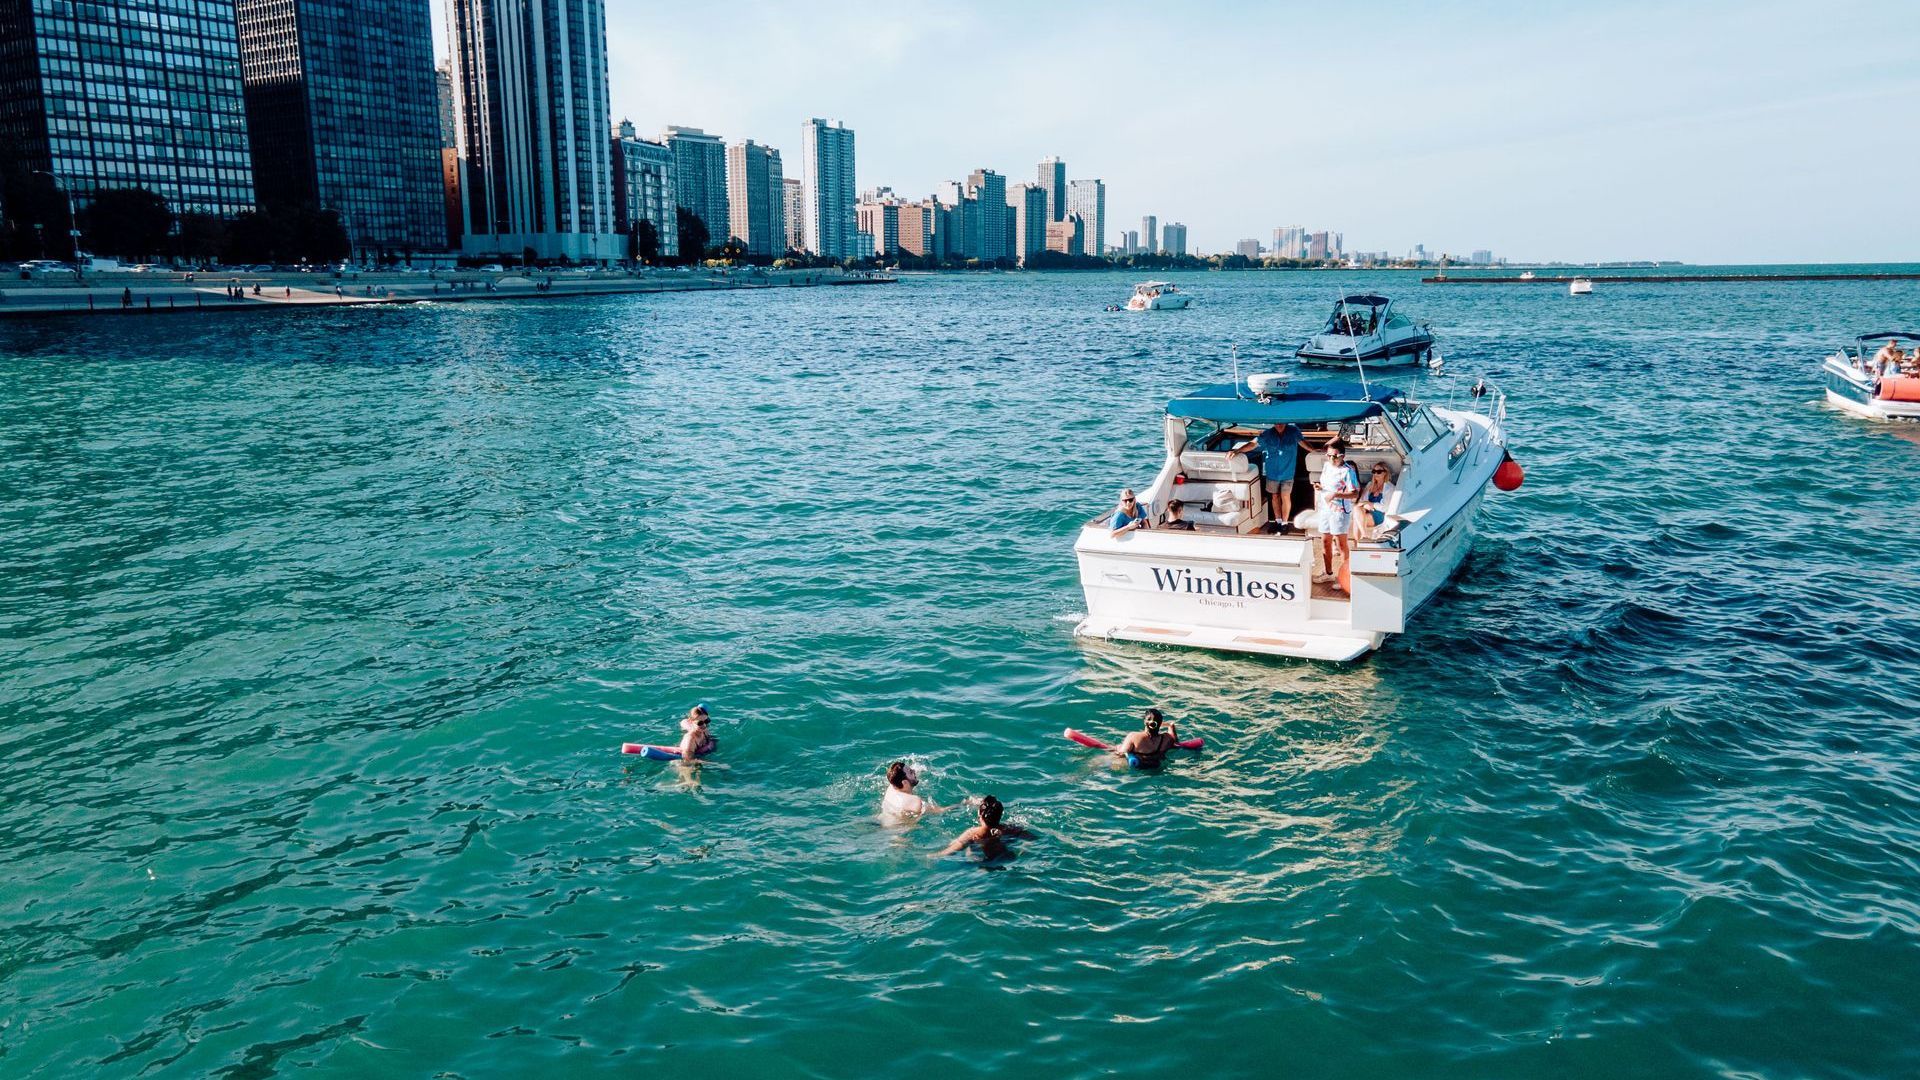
(1217,465)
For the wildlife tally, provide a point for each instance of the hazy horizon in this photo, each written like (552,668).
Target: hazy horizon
(1721,133)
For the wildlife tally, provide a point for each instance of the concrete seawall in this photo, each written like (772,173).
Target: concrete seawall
(118,293)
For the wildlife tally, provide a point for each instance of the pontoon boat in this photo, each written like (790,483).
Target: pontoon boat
(1157,296)
(1365,329)
(1857,379)
(1233,584)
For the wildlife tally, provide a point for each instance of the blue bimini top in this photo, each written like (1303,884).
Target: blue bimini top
(1306,402)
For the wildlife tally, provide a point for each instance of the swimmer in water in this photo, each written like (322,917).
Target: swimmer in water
(1147,748)
(696,734)
(990,835)
(900,800)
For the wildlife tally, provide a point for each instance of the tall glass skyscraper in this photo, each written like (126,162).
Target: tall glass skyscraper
(700,179)
(1088,198)
(134,93)
(530,99)
(342,112)
(826,168)
(1053,181)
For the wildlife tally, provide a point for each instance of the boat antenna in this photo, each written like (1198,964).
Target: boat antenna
(1236,369)
(1358,364)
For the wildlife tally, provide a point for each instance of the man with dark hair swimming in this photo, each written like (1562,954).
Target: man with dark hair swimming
(1147,748)
(990,835)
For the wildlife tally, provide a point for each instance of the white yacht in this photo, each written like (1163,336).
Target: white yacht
(1365,329)
(1526,275)
(1233,584)
(1157,296)
(1856,383)
(1579,287)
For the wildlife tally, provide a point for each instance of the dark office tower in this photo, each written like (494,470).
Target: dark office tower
(530,102)
(135,93)
(342,114)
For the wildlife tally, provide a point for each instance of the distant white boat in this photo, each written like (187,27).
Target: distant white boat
(1580,287)
(1526,275)
(1157,296)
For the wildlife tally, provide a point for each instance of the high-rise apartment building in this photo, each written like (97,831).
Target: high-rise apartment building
(795,197)
(135,93)
(1317,247)
(643,189)
(1173,238)
(987,191)
(700,178)
(343,115)
(1247,249)
(1067,237)
(757,198)
(879,217)
(918,227)
(449,157)
(827,172)
(1053,181)
(1130,242)
(1150,233)
(1290,242)
(1088,198)
(530,98)
(1027,207)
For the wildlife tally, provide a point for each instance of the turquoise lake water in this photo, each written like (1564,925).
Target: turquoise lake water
(319,632)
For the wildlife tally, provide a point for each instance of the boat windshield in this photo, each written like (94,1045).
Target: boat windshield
(1355,316)
(1416,422)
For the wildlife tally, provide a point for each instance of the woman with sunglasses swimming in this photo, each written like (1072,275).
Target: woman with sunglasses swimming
(696,734)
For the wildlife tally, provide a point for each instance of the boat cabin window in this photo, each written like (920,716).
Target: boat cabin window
(1418,425)
(1354,320)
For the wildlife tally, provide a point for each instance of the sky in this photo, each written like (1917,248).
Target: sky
(1705,132)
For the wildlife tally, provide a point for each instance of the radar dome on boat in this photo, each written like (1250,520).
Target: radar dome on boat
(1268,384)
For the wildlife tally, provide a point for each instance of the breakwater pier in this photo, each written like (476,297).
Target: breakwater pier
(68,293)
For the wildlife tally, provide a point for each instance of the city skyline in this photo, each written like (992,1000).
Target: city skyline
(1633,145)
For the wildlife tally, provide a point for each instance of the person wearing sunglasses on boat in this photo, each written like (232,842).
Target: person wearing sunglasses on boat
(1129,515)
(1373,501)
(1339,486)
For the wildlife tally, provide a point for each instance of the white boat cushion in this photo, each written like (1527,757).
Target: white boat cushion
(1233,505)
(1217,465)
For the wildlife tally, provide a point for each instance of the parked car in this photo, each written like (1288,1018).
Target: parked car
(262,268)
(492,268)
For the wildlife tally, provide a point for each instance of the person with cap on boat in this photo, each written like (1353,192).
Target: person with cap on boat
(1279,448)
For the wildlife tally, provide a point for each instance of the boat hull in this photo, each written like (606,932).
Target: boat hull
(1159,303)
(1336,351)
(1847,390)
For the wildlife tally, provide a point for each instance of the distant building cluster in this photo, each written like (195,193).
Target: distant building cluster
(508,152)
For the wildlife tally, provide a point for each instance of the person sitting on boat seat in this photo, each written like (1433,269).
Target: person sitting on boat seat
(1279,453)
(1129,515)
(1375,499)
(1174,520)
